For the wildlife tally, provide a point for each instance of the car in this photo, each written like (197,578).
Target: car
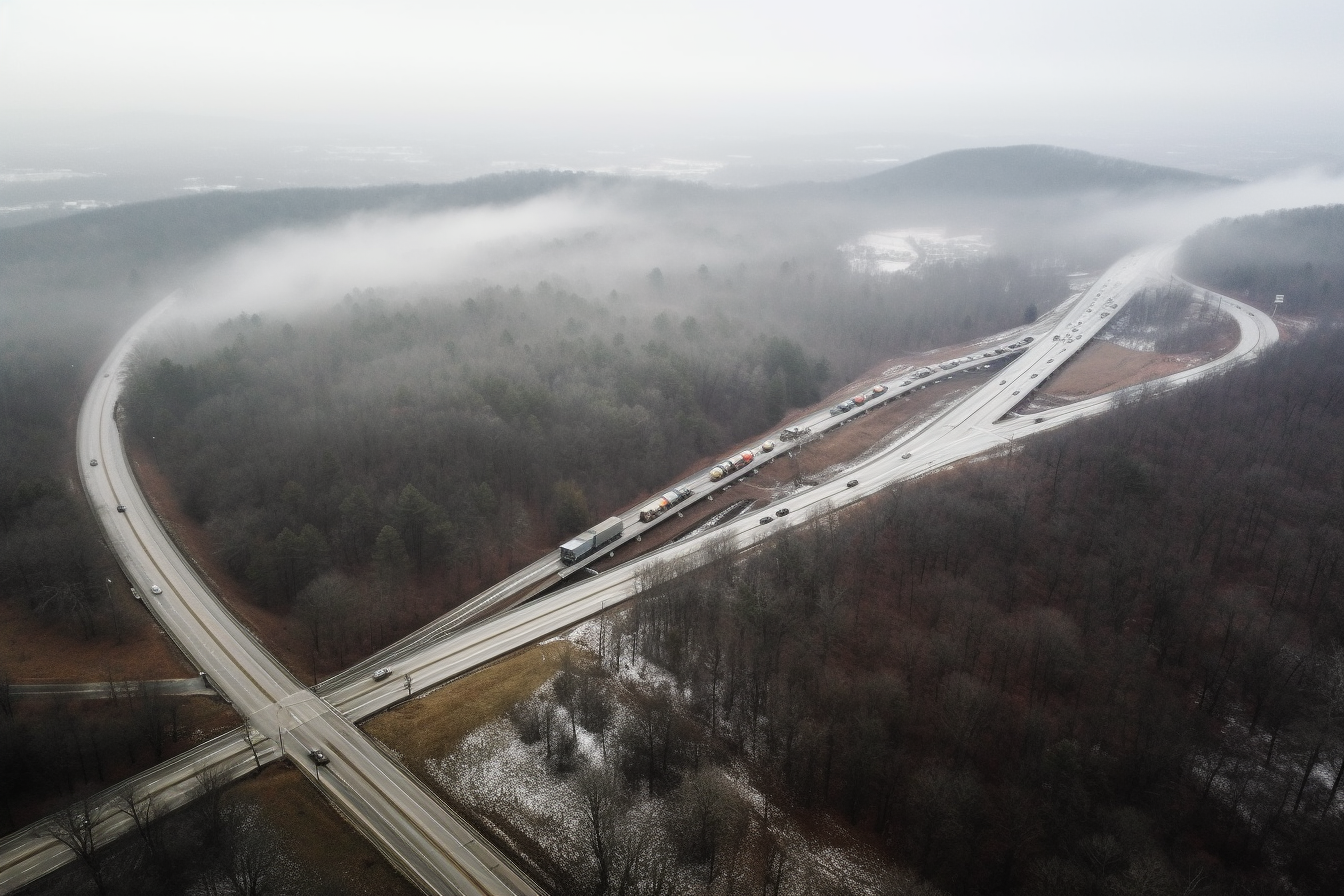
(319,758)
(1003,382)
(1040,419)
(1056,338)
(851,483)
(1049,360)
(155,589)
(382,673)
(93,462)
(783,511)
(905,456)
(766,519)
(1105,314)
(879,389)
(905,382)
(106,375)
(1034,375)
(1019,392)
(121,508)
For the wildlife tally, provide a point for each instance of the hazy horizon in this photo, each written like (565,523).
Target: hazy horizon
(108,104)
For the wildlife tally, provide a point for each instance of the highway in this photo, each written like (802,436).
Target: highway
(973,426)
(402,817)
(387,803)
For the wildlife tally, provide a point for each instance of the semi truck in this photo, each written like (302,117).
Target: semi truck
(597,537)
(665,502)
(736,462)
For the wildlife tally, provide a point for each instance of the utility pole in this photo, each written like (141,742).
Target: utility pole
(408,685)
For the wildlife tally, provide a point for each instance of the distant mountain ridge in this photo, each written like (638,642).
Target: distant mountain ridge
(1023,171)
(188,226)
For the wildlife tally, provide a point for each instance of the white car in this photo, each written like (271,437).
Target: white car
(155,589)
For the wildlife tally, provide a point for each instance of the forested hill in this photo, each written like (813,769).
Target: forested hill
(1023,171)
(1297,252)
(192,225)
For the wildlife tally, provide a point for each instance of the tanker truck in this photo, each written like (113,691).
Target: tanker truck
(665,502)
(736,462)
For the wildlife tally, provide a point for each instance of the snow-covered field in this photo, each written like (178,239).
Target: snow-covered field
(512,786)
(890,251)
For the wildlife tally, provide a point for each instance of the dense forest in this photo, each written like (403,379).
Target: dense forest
(1109,662)
(50,556)
(427,437)
(53,750)
(1298,253)
(224,842)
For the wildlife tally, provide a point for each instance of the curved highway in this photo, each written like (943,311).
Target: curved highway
(402,817)
(408,824)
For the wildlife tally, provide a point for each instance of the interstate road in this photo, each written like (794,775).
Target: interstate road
(413,828)
(27,854)
(973,426)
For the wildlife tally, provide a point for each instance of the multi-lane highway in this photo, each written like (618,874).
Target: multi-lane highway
(972,426)
(402,817)
(396,812)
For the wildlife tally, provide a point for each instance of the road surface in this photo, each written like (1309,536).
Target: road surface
(981,422)
(402,817)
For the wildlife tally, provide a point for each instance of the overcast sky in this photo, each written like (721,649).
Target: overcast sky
(595,74)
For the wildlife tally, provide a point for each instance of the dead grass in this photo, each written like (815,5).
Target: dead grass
(1104,367)
(33,651)
(332,855)
(430,726)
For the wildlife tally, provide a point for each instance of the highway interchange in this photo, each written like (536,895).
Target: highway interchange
(414,829)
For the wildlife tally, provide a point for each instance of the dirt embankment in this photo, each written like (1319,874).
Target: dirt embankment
(1104,366)
(796,464)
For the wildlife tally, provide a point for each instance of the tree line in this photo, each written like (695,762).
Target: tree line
(221,844)
(1112,661)
(431,441)
(54,751)
(1298,253)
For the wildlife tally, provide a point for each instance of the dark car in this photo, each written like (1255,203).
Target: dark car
(766,519)
(905,457)
(121,508)
(93,463)
(319,758)
(783,511)
(851,483)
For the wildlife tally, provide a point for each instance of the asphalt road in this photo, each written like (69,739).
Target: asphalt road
(979,423)
(974,425)
(402,817)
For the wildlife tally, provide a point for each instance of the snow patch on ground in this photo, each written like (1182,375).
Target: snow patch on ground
(511,787)
(892,251)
